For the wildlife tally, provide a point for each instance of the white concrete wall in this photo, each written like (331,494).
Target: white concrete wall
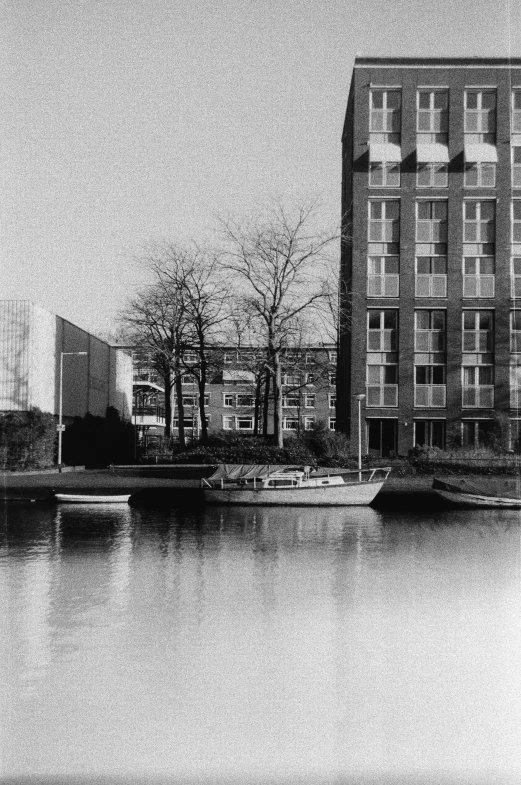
(31,340)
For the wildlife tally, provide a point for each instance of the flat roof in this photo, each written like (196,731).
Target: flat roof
(437,62)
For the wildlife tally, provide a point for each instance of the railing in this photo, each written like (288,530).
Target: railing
(383,285)
(382,395)
(479,285)
(157,412)
(431,285)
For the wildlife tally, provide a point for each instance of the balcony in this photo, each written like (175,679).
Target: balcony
(383,285)
(478,396)
(149,415)
(383,395)
(479,285)
(431,396)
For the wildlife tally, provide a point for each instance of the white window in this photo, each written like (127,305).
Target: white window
(189,400)
(429,433)
(478,386)
(333,356)
(479,219)
(429,331)
(516,167)
(228,400)
(431,221)
(431,276)
(516,277)
(207,399)
(432,116)
(384,221)
(291,379)
(332,401)
(229,358)
(385,116)
(228,422)
(382,331)
(188,422)
(478,332)
(310,358)
(515,332)
(383,279)
(309,423)
(309,401)
(190,358)
(476,433)
(382,385)
(515,383)
(310,378)
(290,423)
(290,400)
(187,380)
(332,378)
(384,175)
(480,175)
(332,423)
(430,386)
(480,116)
(478,276)
(244,423)
(245,400)
(516,221)
(516,111)
(432,175)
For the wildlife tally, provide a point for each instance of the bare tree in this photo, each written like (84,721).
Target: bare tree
(280,261)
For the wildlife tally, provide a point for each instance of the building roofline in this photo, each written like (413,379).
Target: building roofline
(433,62)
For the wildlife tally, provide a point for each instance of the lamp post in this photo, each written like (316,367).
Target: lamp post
(359,398)
(60,427)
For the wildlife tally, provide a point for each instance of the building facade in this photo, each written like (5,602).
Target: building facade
(32,341)
(431,199)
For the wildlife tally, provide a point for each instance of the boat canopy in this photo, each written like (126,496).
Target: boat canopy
(501,488)
(247,471)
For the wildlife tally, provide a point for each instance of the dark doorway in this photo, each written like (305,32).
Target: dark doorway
(382,437)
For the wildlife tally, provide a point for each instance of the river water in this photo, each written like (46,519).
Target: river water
(269,645)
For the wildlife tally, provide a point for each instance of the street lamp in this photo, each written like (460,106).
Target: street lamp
(60,427)
(359,398)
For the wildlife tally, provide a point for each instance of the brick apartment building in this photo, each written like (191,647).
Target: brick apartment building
(308,393)
(431,197)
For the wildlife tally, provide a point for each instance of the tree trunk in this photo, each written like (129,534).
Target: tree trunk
(167,381)
(277,400)
(180,410)
(256,416)
(266,402)
(202,414)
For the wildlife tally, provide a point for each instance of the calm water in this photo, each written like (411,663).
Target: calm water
(261,646)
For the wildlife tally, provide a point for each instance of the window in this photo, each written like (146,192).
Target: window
(429,331)
(429,433)
(384,220)
(477,332)
(382,385)
(246,357)
(383,278)
(432,116)
(385,116)
(333,356)
(229,358)
(479,220)
(332,423)
(245,400)
(432,175)
(431,276)
(476,433)
(431,222)
(190,358)
(188,422)
(478,386)
(309,401)
(478,276)
(228,400)
(332,378)
(480,174)
(291,379)
(480,116)
(228,422)
(310,378)
(332,401)
(384,175)
(291,400)
(309,423)
(244,423)
(382,331)
(515,382)
(310,358)
(516,277)
(430,386)
(207,399)
(187,379)
(290,423)
(189,400)
(516,111)
(515,332)
(516,221)
(516,167)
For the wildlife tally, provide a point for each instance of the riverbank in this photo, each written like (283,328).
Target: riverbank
(178,484)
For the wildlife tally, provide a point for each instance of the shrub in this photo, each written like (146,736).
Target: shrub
(98,441)
(331,448)
(27,440)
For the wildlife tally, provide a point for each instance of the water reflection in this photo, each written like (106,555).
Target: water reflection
(277,642)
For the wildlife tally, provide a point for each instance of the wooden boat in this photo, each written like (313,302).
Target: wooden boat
(479,494)
(91,498)
(292,485)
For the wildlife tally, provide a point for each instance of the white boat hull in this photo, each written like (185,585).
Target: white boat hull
(474,500)
(77,498)
(347,494)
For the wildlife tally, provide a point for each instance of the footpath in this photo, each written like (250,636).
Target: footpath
(177,484)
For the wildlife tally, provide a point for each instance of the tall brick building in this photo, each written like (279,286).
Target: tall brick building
(431,197)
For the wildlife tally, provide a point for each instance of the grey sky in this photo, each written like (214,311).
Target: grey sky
(126,121)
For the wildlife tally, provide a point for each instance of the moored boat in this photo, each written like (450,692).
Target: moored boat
(485,494)
(91,498)
(292,485)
